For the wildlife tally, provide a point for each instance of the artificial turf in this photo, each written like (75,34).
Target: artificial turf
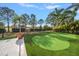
(52,44)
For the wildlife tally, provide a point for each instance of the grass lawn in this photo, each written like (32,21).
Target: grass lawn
(8,36)
(52,44)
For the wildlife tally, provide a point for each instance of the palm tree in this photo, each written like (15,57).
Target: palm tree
(75,6)
(61,16)
(49,20)
(33,21)
(55,17)
(17,19)
(40,22)
(67,17)
(7,13)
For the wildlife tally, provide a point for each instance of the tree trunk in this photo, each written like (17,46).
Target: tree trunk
(40,27)
(8,24)
(2,35)
(33,27)
(19,26)
(14,26)
(25,28)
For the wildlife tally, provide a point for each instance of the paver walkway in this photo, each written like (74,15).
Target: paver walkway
(10,48)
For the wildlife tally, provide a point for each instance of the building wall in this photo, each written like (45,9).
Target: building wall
(9,29)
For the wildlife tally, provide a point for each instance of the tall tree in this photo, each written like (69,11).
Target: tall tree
(2,27)
(33,21)
(40,22)
(17,20)
(55,17)
(67,16)
(25,19)
(61,16)
(74,6)
(7,13)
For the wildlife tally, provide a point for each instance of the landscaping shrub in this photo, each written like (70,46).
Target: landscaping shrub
(2,30)
(17,30)
(47,29)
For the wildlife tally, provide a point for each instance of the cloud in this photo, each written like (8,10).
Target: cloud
(28,5)
(31,6)
(42,7)
(52,6)
(78,11)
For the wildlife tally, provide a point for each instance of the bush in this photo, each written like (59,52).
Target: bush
(2,30)
(17,30)
(45,29)
(73,27)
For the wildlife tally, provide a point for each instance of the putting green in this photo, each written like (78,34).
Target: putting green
(50,43)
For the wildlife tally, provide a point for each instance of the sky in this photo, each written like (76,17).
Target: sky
(41,10)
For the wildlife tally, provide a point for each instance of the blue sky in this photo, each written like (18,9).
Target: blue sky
(41,10)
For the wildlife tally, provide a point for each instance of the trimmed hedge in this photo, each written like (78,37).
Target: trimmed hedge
(17,30)
(40,29)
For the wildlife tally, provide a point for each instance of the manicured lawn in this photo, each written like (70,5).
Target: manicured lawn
(52,44)
(8,36)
